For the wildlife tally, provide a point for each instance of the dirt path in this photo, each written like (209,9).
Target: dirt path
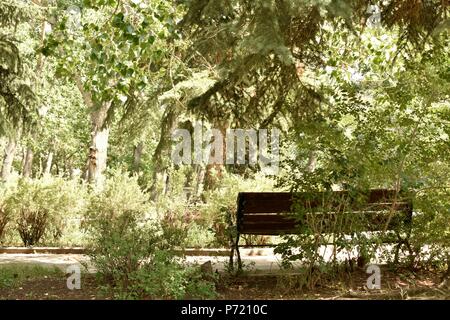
(258,263)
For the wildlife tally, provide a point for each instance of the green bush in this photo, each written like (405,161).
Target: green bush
(430,238)
(5,191)
(175,214)
(40,207)
(219,213)
(3,220)
(199,236)
(132,250)
(165,277)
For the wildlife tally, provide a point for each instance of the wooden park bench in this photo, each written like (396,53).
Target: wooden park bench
(271,213)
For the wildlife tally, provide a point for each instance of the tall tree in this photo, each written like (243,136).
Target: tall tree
(115,53)
(17,97)
(10,151)
(28,163)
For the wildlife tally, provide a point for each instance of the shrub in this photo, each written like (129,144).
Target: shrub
(430,238)
(132,251)
(39,207)
(175,214)
(199,236)
(5,217)
(220,212)
(165,277)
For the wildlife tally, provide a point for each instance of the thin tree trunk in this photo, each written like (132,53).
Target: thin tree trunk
(137,156)
(214,172)
(188,183)
(8,159)
(312,161)
(48,164)
(199,186)
(23,154)
(41,167)
(167,184)
(28,163)
(159,175)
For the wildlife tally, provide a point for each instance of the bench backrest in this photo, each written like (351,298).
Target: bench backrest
(268,213)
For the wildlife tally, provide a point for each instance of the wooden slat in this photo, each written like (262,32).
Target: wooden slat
(268,218)
(269,229)
(325,226)
(346,222)
(264,202)
(277,202)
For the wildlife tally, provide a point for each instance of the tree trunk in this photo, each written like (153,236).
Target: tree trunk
(312,162)
(199,186)
(167,184)
(28,163)
(99,146)
(8,159)
(98,149)
(48,164)
(41,167)
(23,152)
(137,156)
(214,172)
(162,149)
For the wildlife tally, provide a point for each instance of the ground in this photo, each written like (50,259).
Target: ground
(52,288)
(398,284)
(36,282)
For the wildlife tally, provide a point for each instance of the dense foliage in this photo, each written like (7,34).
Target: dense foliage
(91,92)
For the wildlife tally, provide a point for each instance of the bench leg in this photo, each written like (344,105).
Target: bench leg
(231,263)
(398,247)
(401,242)
(397,251)
(411,252)
(238,253)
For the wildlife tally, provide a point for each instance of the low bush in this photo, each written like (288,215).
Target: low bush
(133,252)
(199,236)
(40,207)
(430,238)
(219,213)
(166,277)
(5,217)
